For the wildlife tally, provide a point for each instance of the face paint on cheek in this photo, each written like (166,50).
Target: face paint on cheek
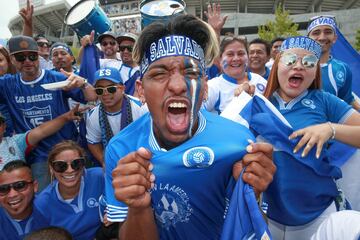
(193,90)
(224,64)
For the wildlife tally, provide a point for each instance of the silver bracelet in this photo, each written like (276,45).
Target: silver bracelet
(333,131)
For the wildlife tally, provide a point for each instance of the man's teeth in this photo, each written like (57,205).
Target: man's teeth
(14,202)
(177,105)
(69,177)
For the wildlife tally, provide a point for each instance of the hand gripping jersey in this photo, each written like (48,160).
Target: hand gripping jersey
(221,90)
(80,216)
(303,187)
(191,187)
(17,230)
(30,105)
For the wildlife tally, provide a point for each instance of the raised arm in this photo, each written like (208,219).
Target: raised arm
(27,15)
(132,178)
(50,127)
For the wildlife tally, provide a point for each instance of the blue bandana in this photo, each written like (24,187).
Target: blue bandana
(172,46)
(302,42)
(321,21)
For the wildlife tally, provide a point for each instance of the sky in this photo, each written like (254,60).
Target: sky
(8,10)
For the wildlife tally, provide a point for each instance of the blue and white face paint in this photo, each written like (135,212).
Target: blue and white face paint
(194,85)
(322,21)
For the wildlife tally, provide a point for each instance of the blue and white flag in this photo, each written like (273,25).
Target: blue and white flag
(89,63)
(244,219)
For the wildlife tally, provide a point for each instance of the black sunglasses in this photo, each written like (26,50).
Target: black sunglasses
(122,48)
(21,57)
(105,43)
(43,44)
(61,166)
(19,186)
(100,91)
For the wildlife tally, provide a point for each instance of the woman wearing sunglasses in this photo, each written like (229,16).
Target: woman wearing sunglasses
(71,200)
(234,60)
(303,194)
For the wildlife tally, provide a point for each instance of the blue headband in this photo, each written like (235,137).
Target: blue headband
(321,21)
(303,43)
(172,46)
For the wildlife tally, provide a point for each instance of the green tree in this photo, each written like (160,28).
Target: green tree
(283,26)
(357,40)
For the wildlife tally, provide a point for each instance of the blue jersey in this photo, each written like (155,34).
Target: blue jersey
(30,105)
(191,189)
(80,216)
(337,79)
(17,230)
(302,187)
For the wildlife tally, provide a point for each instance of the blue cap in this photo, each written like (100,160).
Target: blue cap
(303,43)
(111,74)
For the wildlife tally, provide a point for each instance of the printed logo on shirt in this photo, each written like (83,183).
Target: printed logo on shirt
(171,205)
(199,157)
(340,76)
(308,103)
(35,116)
(260,87)
(92,203)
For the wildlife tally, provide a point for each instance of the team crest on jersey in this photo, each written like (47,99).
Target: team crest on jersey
(35,116)
(260,87)
(200,157)
(92,203)
(340,75)
(171,206)
(308,103)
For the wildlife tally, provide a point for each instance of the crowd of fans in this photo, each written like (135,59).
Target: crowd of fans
(130,143)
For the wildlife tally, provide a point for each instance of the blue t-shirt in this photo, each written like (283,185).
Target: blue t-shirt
(337,79)
(192,180)
(81,216)
(30,105)
(18,229)
(302,189)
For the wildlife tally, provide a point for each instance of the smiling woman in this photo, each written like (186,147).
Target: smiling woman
(234,61)
(71,200)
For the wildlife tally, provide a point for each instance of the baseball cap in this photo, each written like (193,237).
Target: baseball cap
(62,46)
(106,34)
(22,43)
(111,74)
(126,36)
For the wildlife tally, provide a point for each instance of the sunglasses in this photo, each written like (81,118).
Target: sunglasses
(100,91)
(105,43)
(43,44)
(320,16)
(21,57)
(122,48)
(290,59)
(19,186)
(62,166)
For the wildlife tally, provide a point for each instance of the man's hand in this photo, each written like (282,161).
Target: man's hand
(87,39)
(260,168)
(75,80)
(27,13)
(214,17)
(132,178)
